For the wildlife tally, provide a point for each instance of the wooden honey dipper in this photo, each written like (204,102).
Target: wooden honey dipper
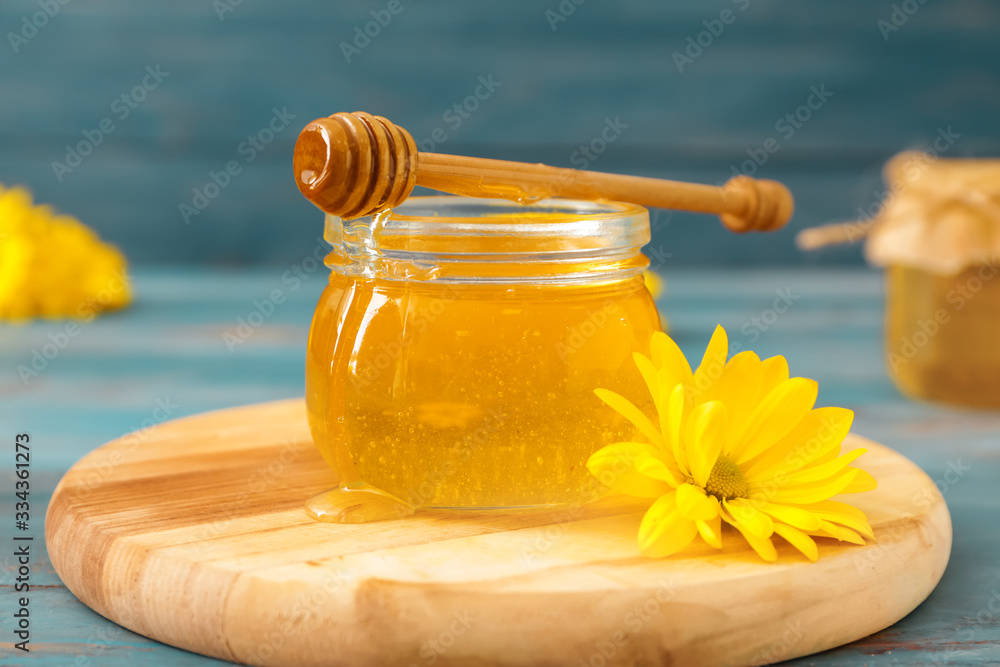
(356,164)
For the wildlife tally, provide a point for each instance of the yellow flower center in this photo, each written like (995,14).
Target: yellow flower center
(726,480)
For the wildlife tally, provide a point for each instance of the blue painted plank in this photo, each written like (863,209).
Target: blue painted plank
(941,69)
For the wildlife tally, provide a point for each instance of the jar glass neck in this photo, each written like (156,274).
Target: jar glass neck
(456,239)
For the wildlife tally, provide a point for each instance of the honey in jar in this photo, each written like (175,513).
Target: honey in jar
(453,356)
(943,334)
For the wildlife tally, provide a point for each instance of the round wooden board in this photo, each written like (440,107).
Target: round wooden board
(193,533)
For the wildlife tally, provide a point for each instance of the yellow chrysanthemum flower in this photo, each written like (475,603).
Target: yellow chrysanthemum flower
(737,441)
(52,265)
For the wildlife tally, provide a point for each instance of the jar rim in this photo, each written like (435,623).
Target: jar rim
(476,240)
(558,223)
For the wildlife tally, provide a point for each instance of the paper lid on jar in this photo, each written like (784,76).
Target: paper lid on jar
(940,215)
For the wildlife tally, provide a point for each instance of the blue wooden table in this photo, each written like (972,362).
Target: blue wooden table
(168,354)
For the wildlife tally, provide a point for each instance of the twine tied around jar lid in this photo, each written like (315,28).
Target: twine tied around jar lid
(940,215)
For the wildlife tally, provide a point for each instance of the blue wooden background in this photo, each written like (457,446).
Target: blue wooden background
(231,62)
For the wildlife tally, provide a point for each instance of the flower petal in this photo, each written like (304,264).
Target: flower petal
(672,421)
(704,435)
(843,514)
(793,516)
(667,356)
(836,507)
(648,372)
(748,519)
(711,530)
(694,505)
(622,406)
(799,540)
(774,371)
(655,467)
(663,531)
(615,467)
(775,417)
(862,482)
(820,472)
(712,364)
(840,533)
(762,545)
(804,494)
(820,432)
(736,389)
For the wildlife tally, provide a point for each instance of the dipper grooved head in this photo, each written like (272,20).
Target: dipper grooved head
(769,205)
(354,164)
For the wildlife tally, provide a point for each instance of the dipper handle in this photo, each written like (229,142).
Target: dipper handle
(355,164)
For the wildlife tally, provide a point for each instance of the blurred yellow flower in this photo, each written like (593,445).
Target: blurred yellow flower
(654,283)
(53,266)
(739,442)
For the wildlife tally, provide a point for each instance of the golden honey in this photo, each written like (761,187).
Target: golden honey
(453,355)
(943,333)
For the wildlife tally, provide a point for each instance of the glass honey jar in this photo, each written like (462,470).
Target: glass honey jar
(453,357)
(938,236)
(936,231)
